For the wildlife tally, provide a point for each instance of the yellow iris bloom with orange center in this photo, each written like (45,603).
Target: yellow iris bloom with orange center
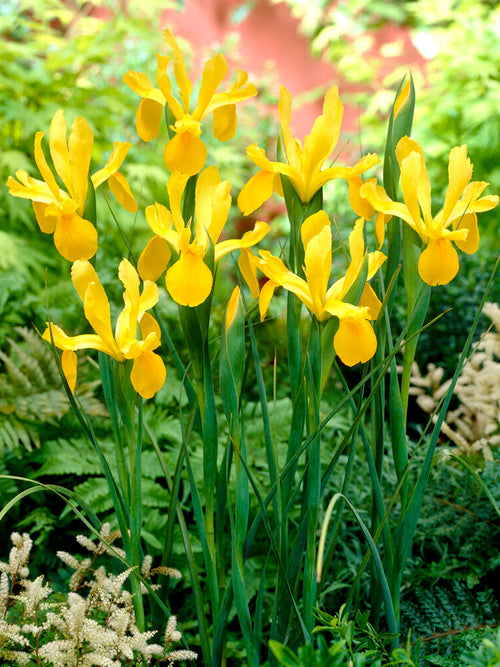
(355,340)
(305,162)
(148,370)
(186,152)
(60,212)
(455,223)
(189,279)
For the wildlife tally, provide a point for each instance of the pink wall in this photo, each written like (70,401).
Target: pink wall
(269,33)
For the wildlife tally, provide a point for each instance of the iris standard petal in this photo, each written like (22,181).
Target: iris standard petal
(313,225)
(97,312)
(459,174)
(324,134)
(59,149)
(318,265)
(214,72)
(181,76)
(438,262)
(148,374)
(189,281)
(80,144)
(44,168)
(185,153)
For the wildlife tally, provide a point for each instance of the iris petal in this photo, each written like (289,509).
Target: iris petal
(148,374)
(148,118)
(355,341)
(256,191)
(189,281)
(438,263)
(185,153)
(154,259)
(225,122)
(75,238)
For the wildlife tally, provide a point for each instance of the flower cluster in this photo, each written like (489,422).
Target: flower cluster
(189,237)
(92,628)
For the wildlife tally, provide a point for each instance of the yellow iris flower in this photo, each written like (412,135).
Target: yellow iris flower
(189,279)
(59,211)
(355,340)
(148,370)
(455,223)
(186,152)
(305,162)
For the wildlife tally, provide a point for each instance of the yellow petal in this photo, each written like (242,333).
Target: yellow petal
(359,205)
(248,240)
(189,281)
(130,280)
(121,189)
(44,168)
(154,259)
(256,191)
(438,263)
(139,82)
(214,71)
(115,160)
(69,363)
(158,218)
(313,225)
(318,265)
(148,119)
(80,143)
(47,223)
(371,301)
(471,243)
(355,341)
(212,204)
(166,87)
(248,270)
(97,312)
(185,153)
(266,294)
(59,149)
(75,238)
(150,326)
(325,133)
(459,174)
(232,307)
(225,122)
(181,77)
(148,374)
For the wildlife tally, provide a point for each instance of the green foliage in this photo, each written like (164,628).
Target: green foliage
(31,397)
(487,654)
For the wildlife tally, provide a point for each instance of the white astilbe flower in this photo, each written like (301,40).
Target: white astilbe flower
(94,626)
(474,426)
(18,557)
(33,594)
